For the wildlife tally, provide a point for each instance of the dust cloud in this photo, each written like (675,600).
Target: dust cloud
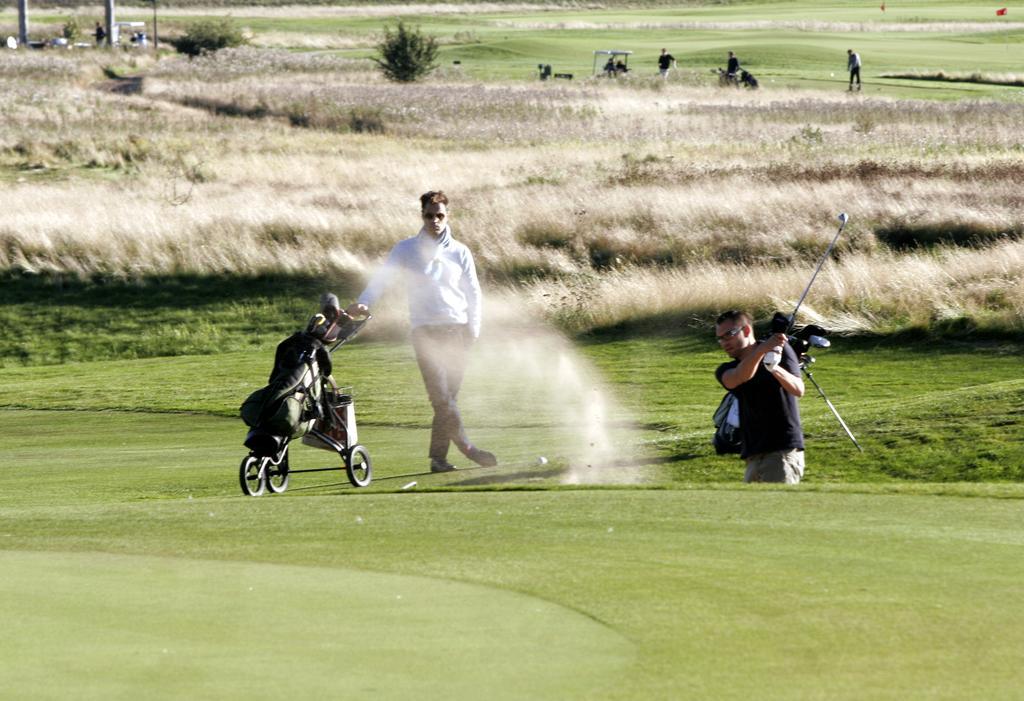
(528,381)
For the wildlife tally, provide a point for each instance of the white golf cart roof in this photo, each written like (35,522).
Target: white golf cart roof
(611,54)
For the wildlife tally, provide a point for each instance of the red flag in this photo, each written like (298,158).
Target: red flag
(1001,12)
(883,7)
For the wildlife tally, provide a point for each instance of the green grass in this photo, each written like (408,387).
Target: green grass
(493,47)
(59,320)
(780,57)
(606,594)
(132,566)
(930,411)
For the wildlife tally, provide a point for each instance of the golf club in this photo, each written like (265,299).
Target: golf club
(805,365)
(777,322)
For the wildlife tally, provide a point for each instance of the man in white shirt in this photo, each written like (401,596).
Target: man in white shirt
(444,311)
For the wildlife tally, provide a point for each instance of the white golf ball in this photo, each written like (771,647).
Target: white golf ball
(831,75)
(542,460)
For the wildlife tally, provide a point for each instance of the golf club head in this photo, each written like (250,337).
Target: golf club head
(780,323)
(842,218)
(819,342)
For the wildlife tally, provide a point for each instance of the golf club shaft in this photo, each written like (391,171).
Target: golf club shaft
(832,408)
(792,317)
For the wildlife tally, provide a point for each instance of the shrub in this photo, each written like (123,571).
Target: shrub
(406,55)
(366,120)
(207,36)
(71,30)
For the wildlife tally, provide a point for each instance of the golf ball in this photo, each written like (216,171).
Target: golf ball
(831,75)
(542,460)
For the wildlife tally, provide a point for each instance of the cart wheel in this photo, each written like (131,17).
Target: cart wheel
(357,463)
(252,476)
(277,475)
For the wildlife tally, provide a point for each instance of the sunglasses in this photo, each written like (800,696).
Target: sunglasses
(729,334)
(434,215)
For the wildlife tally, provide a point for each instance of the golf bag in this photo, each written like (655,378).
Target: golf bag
(743,79)
(291,402)
(727,426)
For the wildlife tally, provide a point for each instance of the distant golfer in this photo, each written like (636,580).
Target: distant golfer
(853,65)
(732,66)
(767,390)
(444,310)
(665,62)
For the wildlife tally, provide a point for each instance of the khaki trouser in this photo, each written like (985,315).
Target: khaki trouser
(778,466)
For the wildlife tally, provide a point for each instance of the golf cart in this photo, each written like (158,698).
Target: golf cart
(617,62)
(134,31)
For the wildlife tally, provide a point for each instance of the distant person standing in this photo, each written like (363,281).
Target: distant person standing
(100,33)
(732,67)
(853,65)
(665,62)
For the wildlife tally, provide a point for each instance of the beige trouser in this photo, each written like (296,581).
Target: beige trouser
(778,466)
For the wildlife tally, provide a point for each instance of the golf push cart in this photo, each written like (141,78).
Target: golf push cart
(324,414)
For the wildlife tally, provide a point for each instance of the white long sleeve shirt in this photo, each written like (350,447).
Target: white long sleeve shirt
(440,281)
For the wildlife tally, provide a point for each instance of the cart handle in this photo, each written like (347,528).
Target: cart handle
(354,326)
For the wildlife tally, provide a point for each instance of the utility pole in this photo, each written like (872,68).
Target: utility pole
(109,17)
(23,22)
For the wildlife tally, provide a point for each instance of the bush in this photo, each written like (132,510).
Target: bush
(71,30)
(207,36)
(406,54)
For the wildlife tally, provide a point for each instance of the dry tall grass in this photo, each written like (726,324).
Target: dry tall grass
(596,202)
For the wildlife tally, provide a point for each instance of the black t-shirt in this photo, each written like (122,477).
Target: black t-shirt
(665,61)
(733,65)
(769,415)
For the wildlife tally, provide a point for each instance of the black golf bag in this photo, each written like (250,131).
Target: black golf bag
(293,399)
(727,426)
(291,402)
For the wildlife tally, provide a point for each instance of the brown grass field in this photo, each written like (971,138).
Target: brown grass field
(595,203)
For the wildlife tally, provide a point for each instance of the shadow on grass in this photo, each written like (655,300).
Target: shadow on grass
(170,291)
(693,333)
(507,477)
(53,319)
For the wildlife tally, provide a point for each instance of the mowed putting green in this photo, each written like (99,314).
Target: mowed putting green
(720,592)
(109,626)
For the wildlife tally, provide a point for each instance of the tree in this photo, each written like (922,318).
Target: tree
(406,54)
(207,36)
(71,30)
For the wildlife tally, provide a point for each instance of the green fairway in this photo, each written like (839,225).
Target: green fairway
(786,44)
(586,594)
(929,412)
(168,221)
(131,523)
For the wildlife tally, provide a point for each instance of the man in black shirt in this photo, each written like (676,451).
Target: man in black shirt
(665,62)
(766,379)
(853,65)
(733,66)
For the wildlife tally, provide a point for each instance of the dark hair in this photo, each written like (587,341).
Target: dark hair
(735,315)
(432,197)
